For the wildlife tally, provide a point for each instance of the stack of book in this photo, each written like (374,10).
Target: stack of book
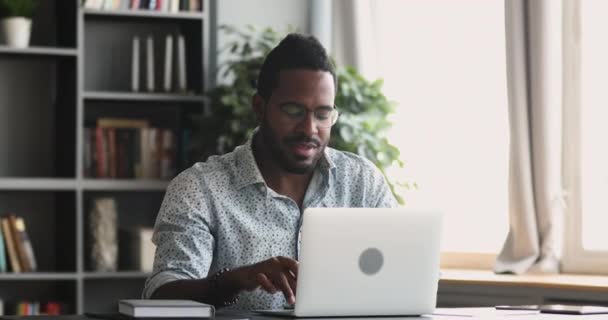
(35,308)
(129,149)
(16,252)
(156,5)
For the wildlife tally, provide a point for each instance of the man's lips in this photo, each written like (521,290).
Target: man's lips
(304,149)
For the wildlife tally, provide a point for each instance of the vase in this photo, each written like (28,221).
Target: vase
(17,31)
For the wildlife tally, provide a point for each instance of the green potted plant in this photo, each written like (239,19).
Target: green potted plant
(16,21)
(363,107)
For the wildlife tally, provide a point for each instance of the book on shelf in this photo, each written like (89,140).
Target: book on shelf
(150,5)
(3,258)
(129,150)
(34,308)
(150,64)
(135,75)
(168,75)
(18,245)
(9,239)
(23,244)
(181,63)
(165,309)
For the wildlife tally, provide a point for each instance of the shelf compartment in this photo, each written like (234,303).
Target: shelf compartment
(101,294)
(62,291)
(135,210)
(50,222)
(37,127)
(108,46)
(143,14)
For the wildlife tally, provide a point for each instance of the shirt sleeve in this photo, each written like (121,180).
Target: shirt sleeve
(182,234)
(385,198)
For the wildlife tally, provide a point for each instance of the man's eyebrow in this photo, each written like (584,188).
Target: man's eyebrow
(292,102)
(303,106)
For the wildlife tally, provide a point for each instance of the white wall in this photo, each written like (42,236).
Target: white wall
(264,13)
(277,14)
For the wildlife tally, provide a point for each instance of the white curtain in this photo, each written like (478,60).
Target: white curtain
(534,72)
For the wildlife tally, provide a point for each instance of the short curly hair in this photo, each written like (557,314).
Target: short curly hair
(295,51)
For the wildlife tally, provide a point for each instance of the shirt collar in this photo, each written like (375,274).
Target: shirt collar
(249,173)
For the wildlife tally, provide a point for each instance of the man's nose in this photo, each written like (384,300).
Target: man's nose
(309,124)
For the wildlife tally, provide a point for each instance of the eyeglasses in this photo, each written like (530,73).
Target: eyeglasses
(324,117)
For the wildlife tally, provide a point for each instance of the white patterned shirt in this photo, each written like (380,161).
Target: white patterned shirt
(221,214)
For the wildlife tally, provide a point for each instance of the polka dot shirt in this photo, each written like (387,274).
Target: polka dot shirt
(221,214)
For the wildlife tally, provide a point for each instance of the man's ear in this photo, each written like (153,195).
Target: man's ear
(258,105)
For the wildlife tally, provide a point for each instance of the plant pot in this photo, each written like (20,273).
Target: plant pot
(17,31)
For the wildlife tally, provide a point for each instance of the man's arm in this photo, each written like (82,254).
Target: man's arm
(273,275)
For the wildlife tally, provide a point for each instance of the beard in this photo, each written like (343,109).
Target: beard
(284,157)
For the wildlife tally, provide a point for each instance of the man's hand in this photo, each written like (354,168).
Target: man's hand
(273,275)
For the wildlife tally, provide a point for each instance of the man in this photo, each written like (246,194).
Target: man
(227,231)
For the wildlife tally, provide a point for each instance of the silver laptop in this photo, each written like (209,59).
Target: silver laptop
(367,262)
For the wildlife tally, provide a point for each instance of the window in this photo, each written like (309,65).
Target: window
(443,61)
(587,164)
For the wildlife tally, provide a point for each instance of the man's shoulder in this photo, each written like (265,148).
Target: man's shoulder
(214,168)
(345,161)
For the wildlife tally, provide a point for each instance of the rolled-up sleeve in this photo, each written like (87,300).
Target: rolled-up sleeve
(182,234)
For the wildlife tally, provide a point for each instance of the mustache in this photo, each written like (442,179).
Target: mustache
(302,139)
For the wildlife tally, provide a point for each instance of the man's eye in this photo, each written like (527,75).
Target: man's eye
(323,114)
(292,110)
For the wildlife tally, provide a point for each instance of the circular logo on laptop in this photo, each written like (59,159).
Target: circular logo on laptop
(370,261)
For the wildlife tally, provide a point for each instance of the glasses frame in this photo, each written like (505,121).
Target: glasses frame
(334,111)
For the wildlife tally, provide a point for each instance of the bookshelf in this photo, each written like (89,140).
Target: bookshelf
(79,65)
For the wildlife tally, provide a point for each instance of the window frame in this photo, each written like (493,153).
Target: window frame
(575,258)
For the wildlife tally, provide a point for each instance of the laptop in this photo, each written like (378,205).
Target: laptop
(367,262)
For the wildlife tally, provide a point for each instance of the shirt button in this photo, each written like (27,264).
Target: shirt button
(262,188)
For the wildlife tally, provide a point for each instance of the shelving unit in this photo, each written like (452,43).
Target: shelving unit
(79,67)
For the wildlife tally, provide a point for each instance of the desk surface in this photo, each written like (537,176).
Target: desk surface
(441,314)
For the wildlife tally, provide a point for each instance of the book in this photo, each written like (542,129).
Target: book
(168,63)
(181,63)
(150,63)
(165,309)
(23,244)
(135,63)
(10,245)
(2,254)
(93,4)
(112,157)
(174,6)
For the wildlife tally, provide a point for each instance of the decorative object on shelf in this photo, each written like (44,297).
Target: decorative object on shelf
(136,249)
(103,231)
(174,78)
(16,21)
(363,107)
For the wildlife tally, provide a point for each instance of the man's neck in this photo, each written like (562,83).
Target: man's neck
(278,179)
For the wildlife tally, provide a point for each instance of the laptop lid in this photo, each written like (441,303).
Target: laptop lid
(368,262)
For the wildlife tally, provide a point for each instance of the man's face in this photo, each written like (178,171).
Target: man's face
(297,143)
